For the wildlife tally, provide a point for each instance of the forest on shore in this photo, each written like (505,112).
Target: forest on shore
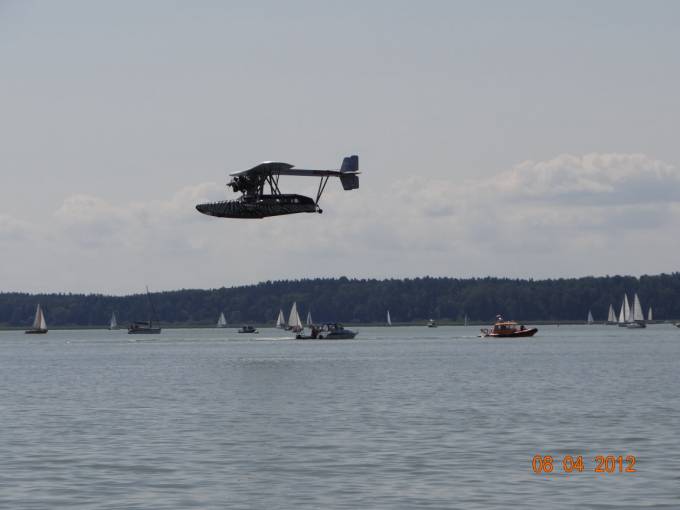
(360,301)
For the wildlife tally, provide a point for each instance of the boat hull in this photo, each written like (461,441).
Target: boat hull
(144,331)
(267,205)
(35,331)
(514,334)
(347,335)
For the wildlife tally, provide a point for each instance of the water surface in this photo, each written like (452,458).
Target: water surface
(399,418)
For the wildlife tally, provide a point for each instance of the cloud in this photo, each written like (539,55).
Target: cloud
(12,229)
(569,215)
(595,179)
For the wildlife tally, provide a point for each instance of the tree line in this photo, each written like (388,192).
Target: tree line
(360,301)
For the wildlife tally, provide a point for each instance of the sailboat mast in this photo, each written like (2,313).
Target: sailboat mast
(152,310)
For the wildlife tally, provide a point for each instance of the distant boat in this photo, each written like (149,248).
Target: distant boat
(294,322)
(507,329)
(281,320)
(431,323)
(624,314)
(389,319)
(146,327)
(248,329)
(39,324)
(590,319)
(649,315)
(114,323)
(637,319)
(309,321)
(332,331)
(611,316)
(465,320)
(222,322)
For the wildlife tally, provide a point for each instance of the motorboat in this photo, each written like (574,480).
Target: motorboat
(143,328)
(431,323)
(508,329)
(248,329)
(330,331)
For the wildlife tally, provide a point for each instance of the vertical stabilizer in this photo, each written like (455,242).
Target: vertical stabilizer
(350,166)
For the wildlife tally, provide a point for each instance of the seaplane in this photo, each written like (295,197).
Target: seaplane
(261,196)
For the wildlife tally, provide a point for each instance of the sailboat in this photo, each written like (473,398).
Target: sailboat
(624,315)
(222,322)
(590,319)
(389,319)
(611,316)
(114,322)
(465,320)
(637,319)
(309,321)
(649,315)
(294,322)
(281,320)
(146,327)
(39,325)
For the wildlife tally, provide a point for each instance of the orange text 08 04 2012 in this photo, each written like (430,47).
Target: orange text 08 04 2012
(605,464)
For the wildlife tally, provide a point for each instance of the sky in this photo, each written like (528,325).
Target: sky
(522,139)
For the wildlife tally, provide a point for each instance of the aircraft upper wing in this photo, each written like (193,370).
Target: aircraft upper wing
(350,167)
(272,167)
(267,167)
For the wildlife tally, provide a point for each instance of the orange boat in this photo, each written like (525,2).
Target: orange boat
(506,329)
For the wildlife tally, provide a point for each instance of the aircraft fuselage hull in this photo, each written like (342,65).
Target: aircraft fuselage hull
(259,207)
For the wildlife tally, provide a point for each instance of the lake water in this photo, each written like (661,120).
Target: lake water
(398,418)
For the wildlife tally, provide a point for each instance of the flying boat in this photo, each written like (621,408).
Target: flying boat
(261,196)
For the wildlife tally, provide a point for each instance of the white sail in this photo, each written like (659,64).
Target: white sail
(637,314)
(649,315)
(280,320)
(611,316)
(114,322)
(39,320)
(389,319)
(624,315)
(309,321)
(590,317)
(294,321)
(222,321)
(465,321)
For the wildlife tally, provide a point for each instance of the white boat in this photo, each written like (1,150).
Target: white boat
(611,316)
(389,319)
(465,320)
(637,318)
(624,314)
(281,320)
(309,321)
(590,319)
(114,322)
(39,323)
(222,321)
(294,322)
(650,318)
(431,323)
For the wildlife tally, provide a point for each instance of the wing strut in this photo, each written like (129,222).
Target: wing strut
(322,187)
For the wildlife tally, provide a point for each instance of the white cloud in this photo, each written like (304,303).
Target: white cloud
(572,215)
(593,178)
